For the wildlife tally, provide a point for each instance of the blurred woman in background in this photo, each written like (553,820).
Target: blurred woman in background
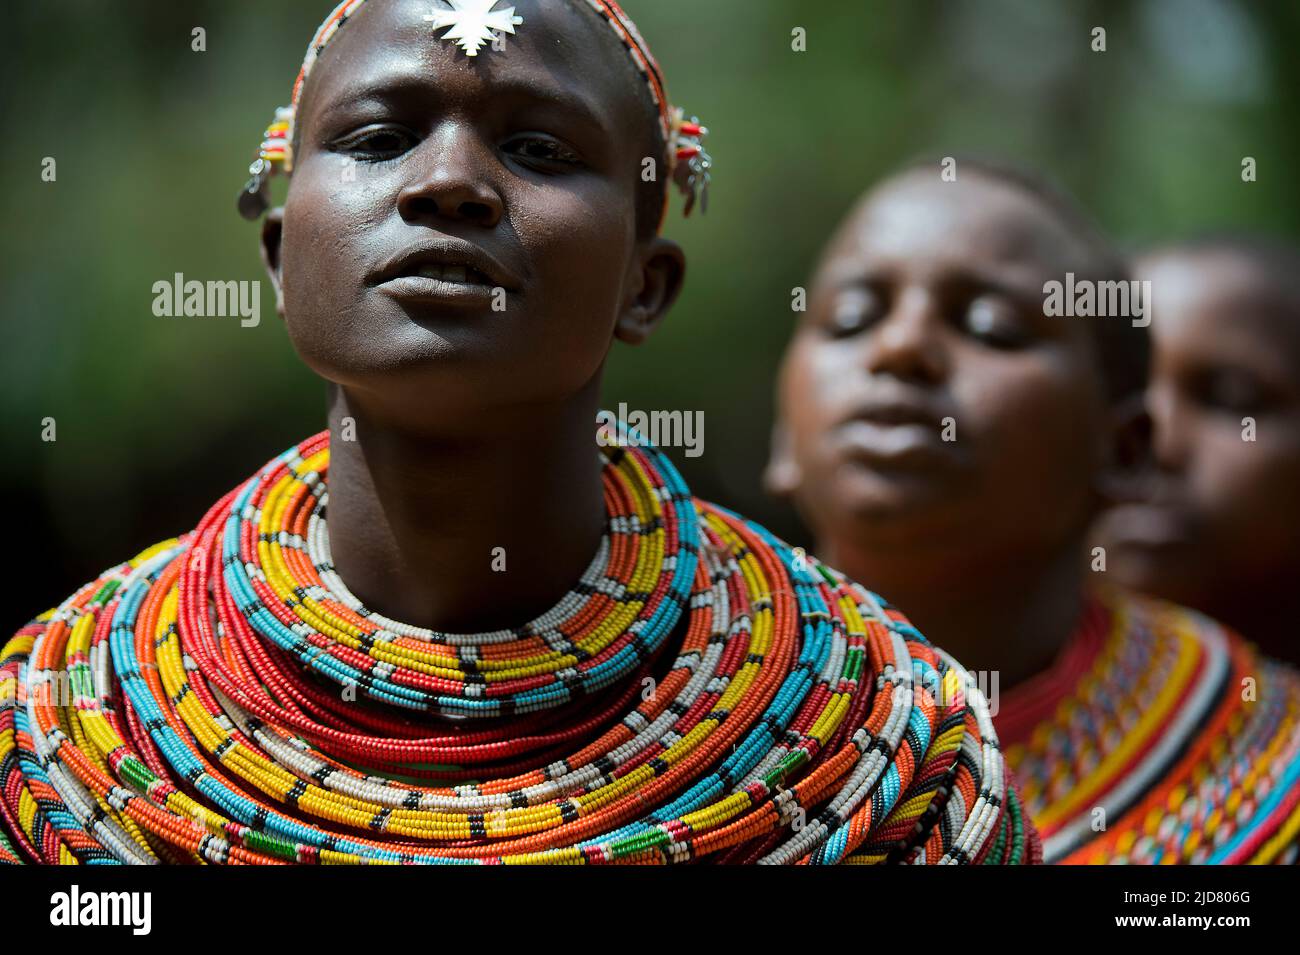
(1217,525)
(949,440)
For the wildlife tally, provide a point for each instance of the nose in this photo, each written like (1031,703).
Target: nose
(907,343)
(452,180)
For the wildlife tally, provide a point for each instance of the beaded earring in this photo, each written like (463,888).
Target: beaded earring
(691,173)
(255,199)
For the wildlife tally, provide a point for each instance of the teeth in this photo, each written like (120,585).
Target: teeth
(455,274)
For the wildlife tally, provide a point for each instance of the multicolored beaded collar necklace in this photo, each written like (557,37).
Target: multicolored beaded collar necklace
(1158,737)
(703,694)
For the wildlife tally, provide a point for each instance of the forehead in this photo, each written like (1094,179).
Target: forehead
(561,48)
(921,223)
(1218,300)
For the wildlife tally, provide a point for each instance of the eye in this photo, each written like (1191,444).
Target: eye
(543,152)
(376,143)
(995,322)
(853,310)
(1231,390)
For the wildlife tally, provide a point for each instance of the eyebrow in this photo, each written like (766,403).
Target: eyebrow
(389,88)
(999,283)
(994,281)
(570,101)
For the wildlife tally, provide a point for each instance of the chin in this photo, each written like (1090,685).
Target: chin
(882,508)
(878,492)
(1158,572)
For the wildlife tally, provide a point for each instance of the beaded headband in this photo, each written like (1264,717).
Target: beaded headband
(472,24)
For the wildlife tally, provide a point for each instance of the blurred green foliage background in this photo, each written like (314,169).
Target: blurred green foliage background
(157,418)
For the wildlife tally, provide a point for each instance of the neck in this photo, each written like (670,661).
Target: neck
(474,530)
(1013,622)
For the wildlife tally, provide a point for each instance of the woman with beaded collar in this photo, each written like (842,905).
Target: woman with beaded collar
(333,665)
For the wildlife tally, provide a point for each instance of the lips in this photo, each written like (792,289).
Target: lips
(896,430)
(892,444)
(897,413)
(1149,525)
(444,269)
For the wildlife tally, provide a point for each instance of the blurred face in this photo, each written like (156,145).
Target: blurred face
(1223,517)
(925,322)
(461,233)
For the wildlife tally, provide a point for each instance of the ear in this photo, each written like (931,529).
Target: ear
(1129,461)
(661,271)
(272,231)
(781,477)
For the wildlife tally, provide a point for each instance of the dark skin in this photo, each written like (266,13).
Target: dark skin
(1219,528)
(928,305)
(515,176)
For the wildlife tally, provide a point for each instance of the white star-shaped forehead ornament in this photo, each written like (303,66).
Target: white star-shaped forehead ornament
(473,23)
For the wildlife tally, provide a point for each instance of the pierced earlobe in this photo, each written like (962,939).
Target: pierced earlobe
(272,235)
(662,272)
(634,327)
